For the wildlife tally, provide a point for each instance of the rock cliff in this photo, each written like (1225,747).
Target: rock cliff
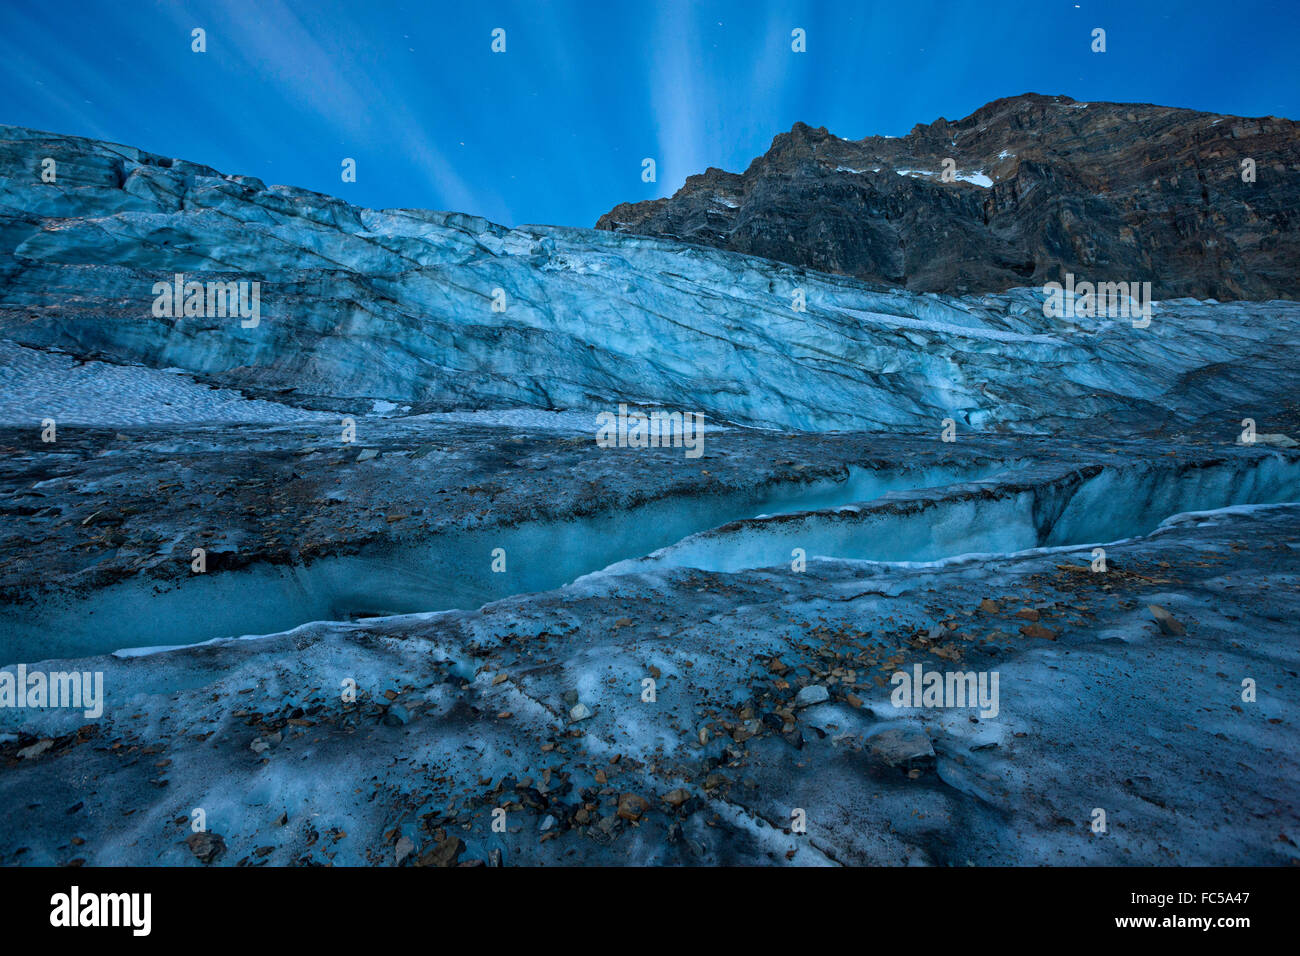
(1039,186)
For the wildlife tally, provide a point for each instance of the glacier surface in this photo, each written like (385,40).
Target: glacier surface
(498,589)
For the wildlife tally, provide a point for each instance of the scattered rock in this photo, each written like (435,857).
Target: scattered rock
(446,853)
(405,847)
(580,711)
(36,749)
(265,742)
(812,694)
(206,847)
(632,805)
(904,747)
(1038,631)
(1168,625)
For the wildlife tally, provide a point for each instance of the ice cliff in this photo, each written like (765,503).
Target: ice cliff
(442,311)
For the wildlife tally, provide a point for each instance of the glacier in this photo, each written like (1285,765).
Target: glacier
(398,305)
(395,486)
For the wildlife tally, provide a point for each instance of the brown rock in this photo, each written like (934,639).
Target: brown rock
(1168,625)
(446,853)
(206,847)
(1038,631)
(632,805)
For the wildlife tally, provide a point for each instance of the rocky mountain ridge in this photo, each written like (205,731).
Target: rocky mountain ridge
(1039,186)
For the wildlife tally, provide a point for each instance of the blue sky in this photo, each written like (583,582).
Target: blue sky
(554,130)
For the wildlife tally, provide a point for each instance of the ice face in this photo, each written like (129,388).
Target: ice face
(452,312)
(1013,510)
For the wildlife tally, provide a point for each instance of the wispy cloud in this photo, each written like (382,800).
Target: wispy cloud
(315,70)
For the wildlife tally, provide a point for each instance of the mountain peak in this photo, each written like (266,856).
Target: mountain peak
(1020,192)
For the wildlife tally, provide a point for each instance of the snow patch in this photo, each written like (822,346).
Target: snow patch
(36,384)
